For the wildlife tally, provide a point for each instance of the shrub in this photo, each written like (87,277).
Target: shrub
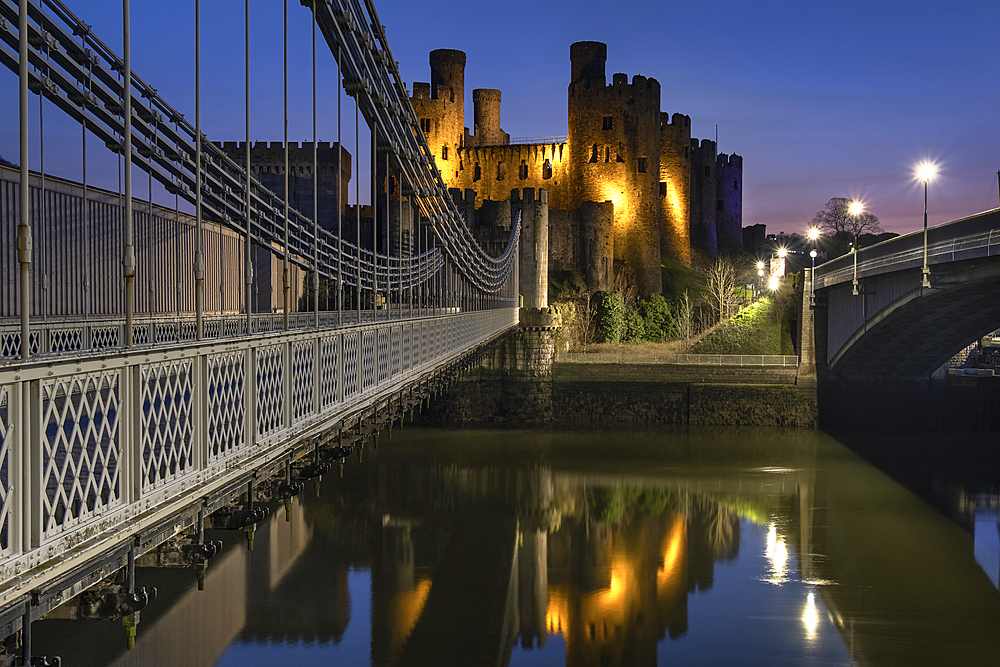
(609,316)
(655,313)
(633,328)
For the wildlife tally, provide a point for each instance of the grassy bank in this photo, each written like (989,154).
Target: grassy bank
(757,329)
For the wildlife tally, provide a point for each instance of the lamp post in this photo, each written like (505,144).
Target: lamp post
(760,277)
(926,171)
(813,235)
(855,208)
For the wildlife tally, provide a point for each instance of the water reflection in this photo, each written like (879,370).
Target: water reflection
(630,547)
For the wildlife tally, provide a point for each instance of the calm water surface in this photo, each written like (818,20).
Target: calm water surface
(672,546)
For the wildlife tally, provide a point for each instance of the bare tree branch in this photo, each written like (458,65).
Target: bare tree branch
(836,217)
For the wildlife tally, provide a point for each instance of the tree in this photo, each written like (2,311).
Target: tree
(836,217)
(721,281)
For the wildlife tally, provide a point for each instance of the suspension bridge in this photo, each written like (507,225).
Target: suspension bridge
(159,365)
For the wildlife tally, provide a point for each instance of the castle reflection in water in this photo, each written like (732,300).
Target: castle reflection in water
(471,546)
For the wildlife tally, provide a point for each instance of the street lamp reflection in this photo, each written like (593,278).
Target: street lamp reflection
(776,552)
(810,616)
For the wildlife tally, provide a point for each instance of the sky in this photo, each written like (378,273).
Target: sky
(822,100)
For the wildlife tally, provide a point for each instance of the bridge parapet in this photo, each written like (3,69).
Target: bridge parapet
(968,238)
(96,450)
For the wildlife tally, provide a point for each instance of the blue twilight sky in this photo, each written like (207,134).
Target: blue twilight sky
(821,99)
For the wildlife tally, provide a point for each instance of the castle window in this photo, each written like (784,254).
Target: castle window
(593,154)
(685,152)
(425,125)
(501,171)
(607,153)
(522,171)
(477,173)
(663,188)
(608,123)
(444,152)
(708,170)
(736,184)
(547,170)
(721,206)
(642,165)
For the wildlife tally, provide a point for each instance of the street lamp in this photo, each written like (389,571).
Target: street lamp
(855,208)
(926,172)
(812,278)
(813,235)
(760,276)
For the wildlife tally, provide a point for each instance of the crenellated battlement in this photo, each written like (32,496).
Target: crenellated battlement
(703,147)
(537,153)
(641,87)
(733,161)
(270,156)
(678,121)
(421,90)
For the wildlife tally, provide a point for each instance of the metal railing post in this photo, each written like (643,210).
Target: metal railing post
(24,248)
(128,260)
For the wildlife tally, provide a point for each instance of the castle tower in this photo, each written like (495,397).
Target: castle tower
(703,203)
(440,106)
(675,187)
(486,117)
(729,201)
(614,148)
(267,164)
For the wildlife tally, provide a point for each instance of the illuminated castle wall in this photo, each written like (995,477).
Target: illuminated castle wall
(620,148)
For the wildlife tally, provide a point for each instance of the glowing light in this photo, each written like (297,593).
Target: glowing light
(776,552)
(557,610)
(669,572)
(760,266)
(810,616)
(926,171)
(813,253)
(782,252)
(856,208)
(813,234)
(760,272)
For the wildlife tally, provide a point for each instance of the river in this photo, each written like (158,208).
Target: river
(631,546)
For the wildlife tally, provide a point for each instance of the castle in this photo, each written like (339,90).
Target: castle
(670,193)
(628,185)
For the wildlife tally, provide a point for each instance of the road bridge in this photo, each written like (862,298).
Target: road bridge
(159,365)
(876,319)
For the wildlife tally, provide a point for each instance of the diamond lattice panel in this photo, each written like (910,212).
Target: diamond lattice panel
(407,344)
(328,371)
(80,447)
(303,384)
(6,440)
(397,342)
(65,340)
(352,370)
(226,403)
(167,422)
(368,343)
(384,357)
(101,337)
(270,389)
(166,332)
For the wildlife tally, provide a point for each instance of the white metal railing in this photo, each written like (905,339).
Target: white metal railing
(558,139)
(783,360)
(93,444)
(68,336)
(968,246)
